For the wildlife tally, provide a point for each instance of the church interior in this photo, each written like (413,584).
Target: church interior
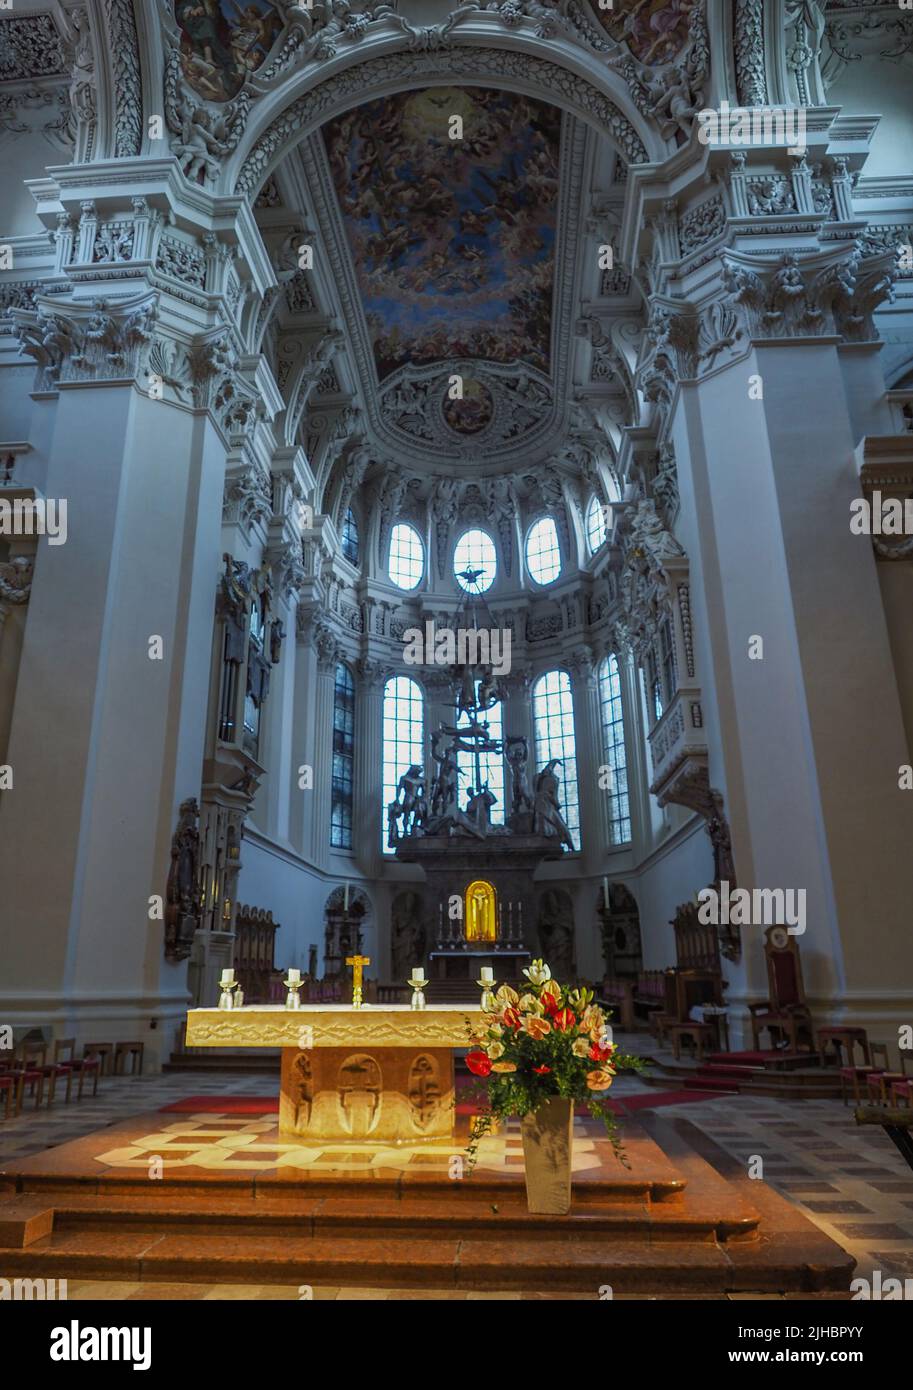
(456,705)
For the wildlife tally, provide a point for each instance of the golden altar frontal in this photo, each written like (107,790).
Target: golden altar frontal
(375,1072)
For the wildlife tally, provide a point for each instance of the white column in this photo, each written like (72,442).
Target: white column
(274,796)
(807,741)
(323,765)
(369,822)
(85,837)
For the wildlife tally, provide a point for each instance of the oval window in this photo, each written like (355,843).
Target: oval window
(543,554)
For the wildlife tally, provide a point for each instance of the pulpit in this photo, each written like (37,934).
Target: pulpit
(381,1073)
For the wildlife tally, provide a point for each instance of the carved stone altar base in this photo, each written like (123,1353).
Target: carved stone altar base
(347,1074)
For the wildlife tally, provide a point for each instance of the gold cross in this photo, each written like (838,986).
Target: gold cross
(357,963)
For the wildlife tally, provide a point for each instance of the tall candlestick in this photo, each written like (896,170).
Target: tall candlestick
(417,981)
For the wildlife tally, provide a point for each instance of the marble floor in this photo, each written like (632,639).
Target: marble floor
(849,1180)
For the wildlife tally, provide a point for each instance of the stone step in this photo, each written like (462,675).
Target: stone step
(700,1220)
(672,1223)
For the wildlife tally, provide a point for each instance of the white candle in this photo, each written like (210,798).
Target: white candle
(418,973)
(345,901)
(228,977)
(488,974)
(605,891)
(294,976)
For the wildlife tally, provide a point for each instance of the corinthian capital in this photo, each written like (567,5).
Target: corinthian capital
(830,293)
(94,341)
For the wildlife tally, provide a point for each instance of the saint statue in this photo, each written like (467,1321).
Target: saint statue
(547,817)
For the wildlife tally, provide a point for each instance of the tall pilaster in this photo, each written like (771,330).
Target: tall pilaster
(369,714)
(593,821)
(140,395)
(804,725)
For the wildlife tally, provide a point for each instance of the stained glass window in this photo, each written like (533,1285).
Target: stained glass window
(613,737)
(343,759)
(553,721)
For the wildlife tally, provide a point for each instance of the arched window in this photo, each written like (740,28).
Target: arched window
(595,523)
(404,738)
(350,537)
(543,554)
(553,721)
(475,561)
(490,765)
(613,742)
(407,556)
(343,758)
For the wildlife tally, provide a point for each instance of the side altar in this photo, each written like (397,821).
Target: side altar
(367,1072)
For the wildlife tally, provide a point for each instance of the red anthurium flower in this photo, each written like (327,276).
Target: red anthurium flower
(511,1018)
(564,1019)
(600,1054)
(479,1063)
(550,1004)
(540,1071)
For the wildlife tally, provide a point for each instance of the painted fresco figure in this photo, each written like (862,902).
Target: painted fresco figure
(201,21)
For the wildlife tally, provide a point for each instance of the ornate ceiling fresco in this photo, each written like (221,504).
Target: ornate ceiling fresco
(655,31)
(453,257)
(222,43)
(453,239)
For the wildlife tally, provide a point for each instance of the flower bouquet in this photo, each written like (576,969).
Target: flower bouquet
(540,1051)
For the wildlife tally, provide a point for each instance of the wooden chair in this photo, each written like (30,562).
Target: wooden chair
(902,1091)
(785,1010)
(8,1088)
(853,1075)
(839,1037)
(65,1052)
(617,995)
(879,1084)
(28,1070)
(54,1069)
(686,989)
(133,1050)
(104,1051)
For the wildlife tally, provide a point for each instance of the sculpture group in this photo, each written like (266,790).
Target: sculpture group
(434,805)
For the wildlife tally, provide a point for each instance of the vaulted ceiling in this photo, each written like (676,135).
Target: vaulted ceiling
(454,222)
(448,197)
